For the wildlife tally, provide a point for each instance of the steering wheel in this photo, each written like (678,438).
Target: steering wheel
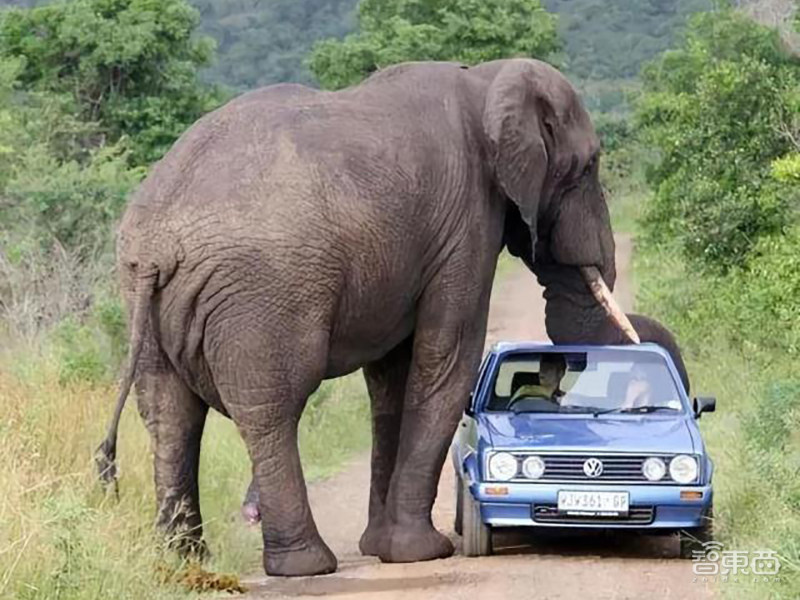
(540,403)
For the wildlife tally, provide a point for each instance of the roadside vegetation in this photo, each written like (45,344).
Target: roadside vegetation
(718,259)
(706,172)
(91,93)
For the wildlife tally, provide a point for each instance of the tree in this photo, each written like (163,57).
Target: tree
(128,65)
(57,185)
(716,109)
(468,31)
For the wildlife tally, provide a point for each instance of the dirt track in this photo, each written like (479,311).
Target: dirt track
(576,567)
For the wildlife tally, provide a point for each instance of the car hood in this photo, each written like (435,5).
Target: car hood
(648,433)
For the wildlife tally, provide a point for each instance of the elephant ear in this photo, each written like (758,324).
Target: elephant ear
(517,121)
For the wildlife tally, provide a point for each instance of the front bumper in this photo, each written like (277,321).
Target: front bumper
(516,507)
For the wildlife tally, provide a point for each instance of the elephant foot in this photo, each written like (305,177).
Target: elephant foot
(250,513)
(371,539)
(315,558)
(413,544)
(189,547)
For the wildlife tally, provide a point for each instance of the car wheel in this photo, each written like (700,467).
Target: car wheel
(692,540)
(459,507)
(476,535)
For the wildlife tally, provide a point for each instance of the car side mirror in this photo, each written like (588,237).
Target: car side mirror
(704,404)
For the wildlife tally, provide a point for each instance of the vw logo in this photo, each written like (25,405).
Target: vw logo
(593,467)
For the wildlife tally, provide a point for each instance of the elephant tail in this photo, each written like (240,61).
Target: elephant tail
(106,453)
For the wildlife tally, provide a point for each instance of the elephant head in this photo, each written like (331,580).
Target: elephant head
(545,155)
(544,152)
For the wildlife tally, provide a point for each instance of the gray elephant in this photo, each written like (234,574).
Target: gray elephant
(295,235)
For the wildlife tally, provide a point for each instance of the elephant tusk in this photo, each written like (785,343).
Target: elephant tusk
(602,294)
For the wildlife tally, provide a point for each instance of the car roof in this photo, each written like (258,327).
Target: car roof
(502,348)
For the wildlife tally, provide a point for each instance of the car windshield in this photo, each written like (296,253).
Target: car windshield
(597,381)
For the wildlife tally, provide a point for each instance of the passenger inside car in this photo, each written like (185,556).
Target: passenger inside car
(639,390)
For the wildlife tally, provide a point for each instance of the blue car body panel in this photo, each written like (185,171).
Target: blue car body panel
(653,434)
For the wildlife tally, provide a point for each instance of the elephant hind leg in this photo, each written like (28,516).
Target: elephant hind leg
(386,382)
(264,386)
(175,418)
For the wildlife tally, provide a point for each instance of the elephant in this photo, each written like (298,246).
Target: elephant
(296,235)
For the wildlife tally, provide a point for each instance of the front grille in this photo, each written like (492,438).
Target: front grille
(564,467)
(637,515)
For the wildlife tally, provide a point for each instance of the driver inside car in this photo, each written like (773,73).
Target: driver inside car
(552,368)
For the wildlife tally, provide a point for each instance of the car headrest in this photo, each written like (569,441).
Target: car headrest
(523,378)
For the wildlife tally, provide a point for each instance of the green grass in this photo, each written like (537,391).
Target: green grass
(754,437)
(62,537)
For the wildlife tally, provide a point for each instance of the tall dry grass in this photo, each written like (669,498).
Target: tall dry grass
(62,536)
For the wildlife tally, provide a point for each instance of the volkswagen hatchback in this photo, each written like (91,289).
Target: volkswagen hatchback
(581,437)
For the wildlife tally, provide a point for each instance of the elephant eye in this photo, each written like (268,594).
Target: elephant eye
(590,166)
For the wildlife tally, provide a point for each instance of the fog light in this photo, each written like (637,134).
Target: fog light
(654,469)
(533,467)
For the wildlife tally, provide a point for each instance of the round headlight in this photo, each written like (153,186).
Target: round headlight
(502,466)
(683,469)
(654,469)
(533,467)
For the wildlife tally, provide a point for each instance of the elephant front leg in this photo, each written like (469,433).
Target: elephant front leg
(175,418)
(386,382)
(445,361)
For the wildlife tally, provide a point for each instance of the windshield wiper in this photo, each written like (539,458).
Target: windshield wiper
(554,410)
(637,409)
(648,409)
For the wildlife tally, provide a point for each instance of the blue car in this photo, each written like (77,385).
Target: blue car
(582,437)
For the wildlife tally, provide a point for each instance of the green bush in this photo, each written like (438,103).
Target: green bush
(79,354)
(64,200)
(109,315)
(128,65)
(469,31)
(768,290)
(715,110)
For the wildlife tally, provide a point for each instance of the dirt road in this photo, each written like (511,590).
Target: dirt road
(582,566)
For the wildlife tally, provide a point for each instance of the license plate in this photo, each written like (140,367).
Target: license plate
(593,503)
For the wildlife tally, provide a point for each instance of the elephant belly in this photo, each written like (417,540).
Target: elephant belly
(356,342)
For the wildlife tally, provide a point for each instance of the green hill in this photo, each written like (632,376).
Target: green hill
(266,41)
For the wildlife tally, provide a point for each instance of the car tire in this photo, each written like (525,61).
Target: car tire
(459,507)
(692,540)
(476,535)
